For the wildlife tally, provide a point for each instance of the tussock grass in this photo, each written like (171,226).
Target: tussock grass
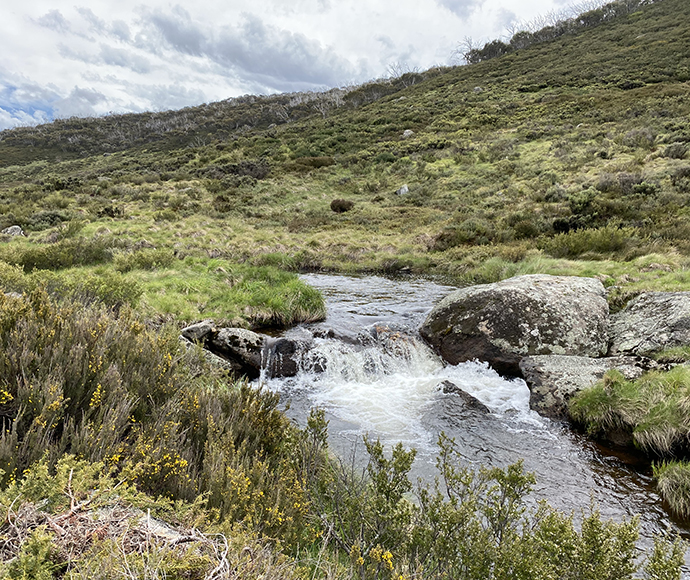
(654,409)
(673,484)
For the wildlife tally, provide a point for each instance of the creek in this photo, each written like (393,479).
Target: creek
(373,376)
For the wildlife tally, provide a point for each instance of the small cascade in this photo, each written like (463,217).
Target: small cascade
(386,379)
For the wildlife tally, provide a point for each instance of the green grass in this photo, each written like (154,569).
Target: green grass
(654,410)
(673,484)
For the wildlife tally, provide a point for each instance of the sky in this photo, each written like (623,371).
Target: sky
(94,57)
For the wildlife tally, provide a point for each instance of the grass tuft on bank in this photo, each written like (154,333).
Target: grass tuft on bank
(653,411)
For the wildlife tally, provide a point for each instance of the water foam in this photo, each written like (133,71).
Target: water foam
(386,382)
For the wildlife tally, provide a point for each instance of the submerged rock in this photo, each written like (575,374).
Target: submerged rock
(652,322)
(282,356)
(554,379)
(503,322)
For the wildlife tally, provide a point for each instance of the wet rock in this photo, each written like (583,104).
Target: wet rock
(243,348)
(554,379)
(468,400)
(283,356)
(13,231)
(651,322)
(527,315)
(337,334)
(199,332)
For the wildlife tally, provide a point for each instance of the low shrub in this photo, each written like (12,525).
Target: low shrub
(602,241)
(65,253)
(106,287)
(341,205)
(144,259)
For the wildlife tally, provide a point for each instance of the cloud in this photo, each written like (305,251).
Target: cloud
(178,31)
(125,59)
(54,20)
(120,30)
(79,103)
(461,8)
(260,54)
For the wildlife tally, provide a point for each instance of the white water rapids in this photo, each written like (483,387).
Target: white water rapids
(373,376)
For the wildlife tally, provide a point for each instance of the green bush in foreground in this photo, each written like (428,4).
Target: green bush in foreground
(104,419)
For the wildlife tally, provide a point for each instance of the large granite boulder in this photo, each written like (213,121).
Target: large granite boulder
(527,315)
(651,322)
(554,379)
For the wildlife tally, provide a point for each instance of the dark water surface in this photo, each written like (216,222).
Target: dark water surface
(381,380)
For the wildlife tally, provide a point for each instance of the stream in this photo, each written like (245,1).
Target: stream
(373,376)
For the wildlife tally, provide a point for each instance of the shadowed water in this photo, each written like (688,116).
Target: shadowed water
(373,375)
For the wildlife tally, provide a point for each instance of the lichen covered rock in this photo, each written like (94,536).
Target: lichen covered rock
(554,379)
(652,322)
(529,315)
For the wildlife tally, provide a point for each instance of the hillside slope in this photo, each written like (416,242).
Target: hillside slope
(571,149)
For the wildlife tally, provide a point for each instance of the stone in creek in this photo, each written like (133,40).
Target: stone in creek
(503,322)
(469,402)
(554,379)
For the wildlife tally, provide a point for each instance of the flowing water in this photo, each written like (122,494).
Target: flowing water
(373,376)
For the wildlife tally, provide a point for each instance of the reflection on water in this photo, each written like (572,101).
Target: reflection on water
(373,375)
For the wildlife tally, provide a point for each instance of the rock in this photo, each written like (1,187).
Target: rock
(651,322)
(211,358)
(478,90)
(199,332)
(403,190)
(468,400)
(527,315)
(407,133)
(241,347)
(554,379)
(282,356)
(13,231)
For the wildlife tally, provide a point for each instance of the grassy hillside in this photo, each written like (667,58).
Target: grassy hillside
(568,156)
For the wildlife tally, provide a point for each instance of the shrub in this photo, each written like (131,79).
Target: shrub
(144,259)
(676,151)
(600,241)
(65,253)
(341,205)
